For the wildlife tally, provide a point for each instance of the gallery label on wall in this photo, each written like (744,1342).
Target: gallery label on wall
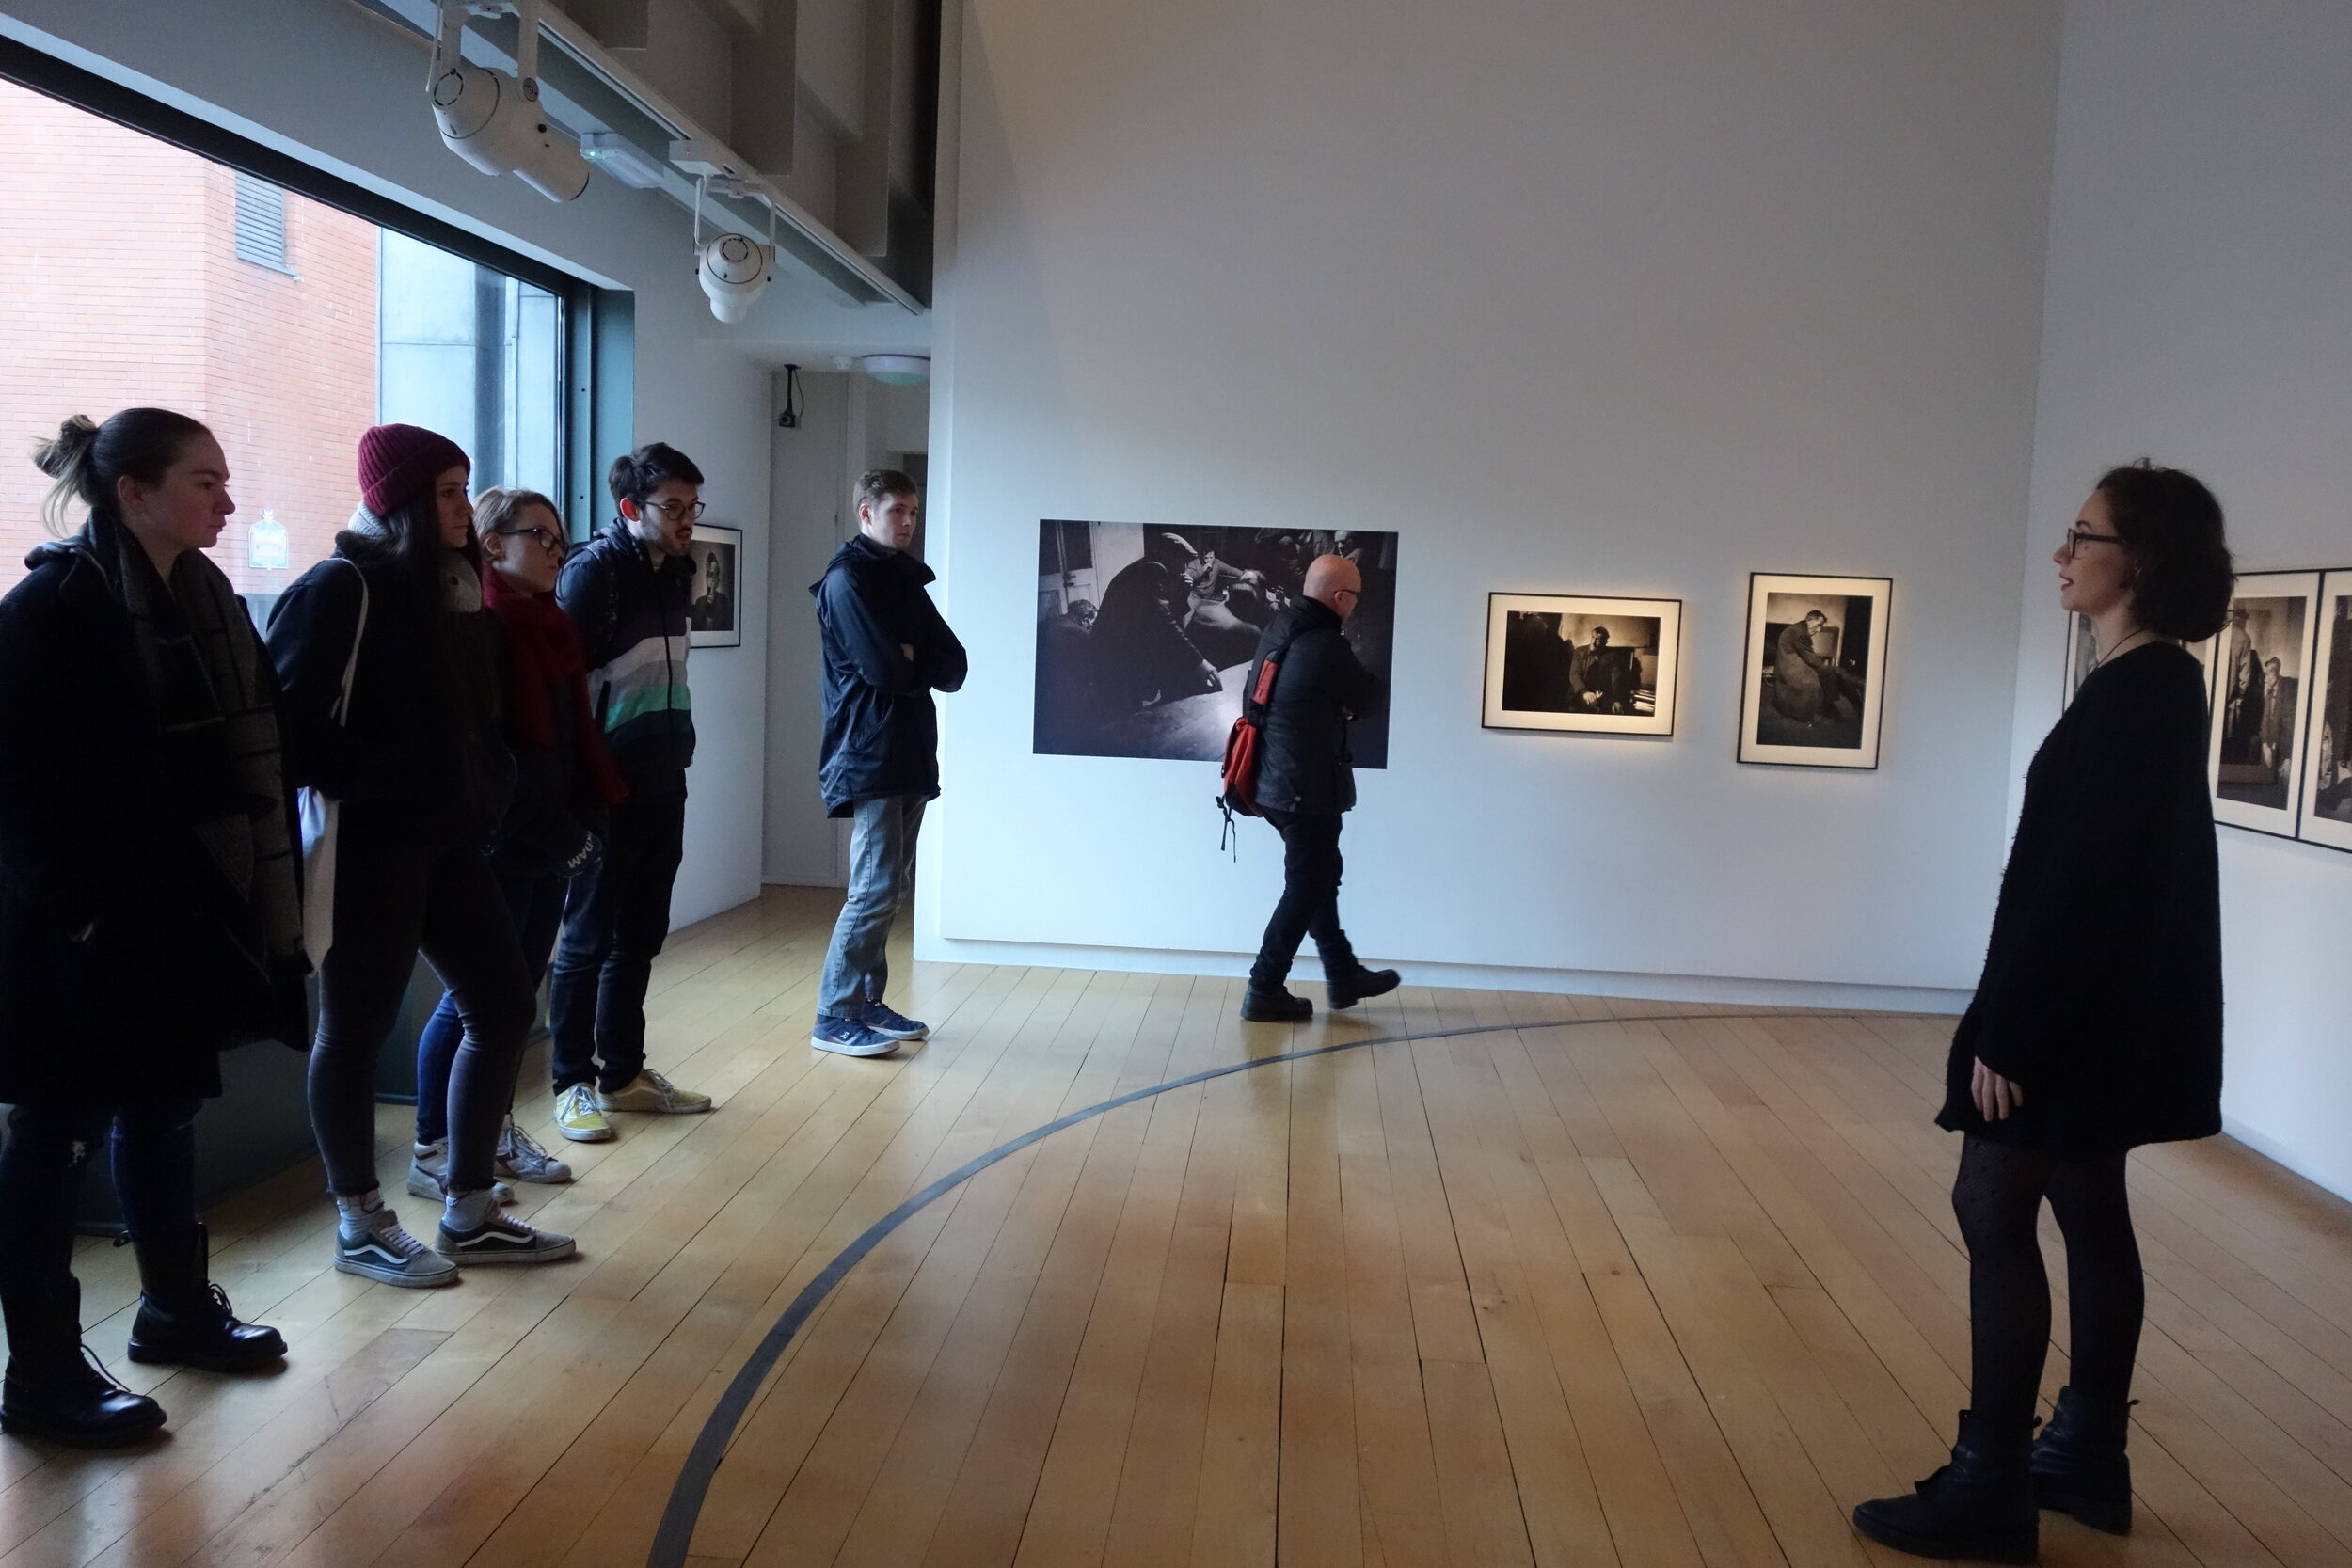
(1813,685)
(1581,664)
(1145,633)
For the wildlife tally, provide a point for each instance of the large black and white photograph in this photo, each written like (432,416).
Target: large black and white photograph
(713,619)
(1813,686)
(2327,754)
(1145,633)
(1581,664)
(2258,701)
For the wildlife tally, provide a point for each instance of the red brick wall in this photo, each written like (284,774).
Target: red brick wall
(120,284)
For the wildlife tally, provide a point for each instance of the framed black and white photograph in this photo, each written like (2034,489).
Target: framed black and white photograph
(1581,664)
(2327,745)
(2259,693)
(1145,633)
(1813,685)
(713,616)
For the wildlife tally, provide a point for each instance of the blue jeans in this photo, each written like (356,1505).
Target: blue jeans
(537,905)
(882,877)
(615,918)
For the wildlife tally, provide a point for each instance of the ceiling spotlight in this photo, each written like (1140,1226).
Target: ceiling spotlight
(494,120)
(733,268)
(898,370)
(622,159)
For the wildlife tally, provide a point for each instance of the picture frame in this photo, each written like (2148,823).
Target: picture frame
(2261,683)
(1582,664)
(1803,704)
(714,616)
(2326,816)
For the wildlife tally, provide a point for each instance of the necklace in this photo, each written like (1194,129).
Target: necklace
(2120,644)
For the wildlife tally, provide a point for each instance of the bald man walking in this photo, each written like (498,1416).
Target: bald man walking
(1306,781)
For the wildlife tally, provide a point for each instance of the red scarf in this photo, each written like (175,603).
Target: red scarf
(545,647)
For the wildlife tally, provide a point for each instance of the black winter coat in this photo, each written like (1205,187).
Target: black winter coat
(1304,762)
(422,757)
(92,842)
(881,731)
(2102,987)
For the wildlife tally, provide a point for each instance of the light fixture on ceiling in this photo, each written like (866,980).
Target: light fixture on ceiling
(494,120)
(733,268)
(898,370)
(621,158)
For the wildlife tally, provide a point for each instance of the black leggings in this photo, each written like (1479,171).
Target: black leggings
(1997,1198)
(393,898)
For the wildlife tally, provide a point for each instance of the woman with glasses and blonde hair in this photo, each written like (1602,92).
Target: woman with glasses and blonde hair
(564,785)
(2096,1028)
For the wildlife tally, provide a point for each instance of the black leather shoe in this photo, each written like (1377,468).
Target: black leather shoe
(203,1333)
(1274,1004)
(1359,983)
(1981,1505)
(75,1402)
(2079,1467)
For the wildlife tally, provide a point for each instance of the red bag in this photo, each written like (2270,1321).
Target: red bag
(1239,778)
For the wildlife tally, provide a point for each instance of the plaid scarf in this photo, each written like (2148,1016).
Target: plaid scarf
(215,699)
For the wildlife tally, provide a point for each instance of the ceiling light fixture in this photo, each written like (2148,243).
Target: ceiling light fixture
(626,162)
(898,370)
(493,121)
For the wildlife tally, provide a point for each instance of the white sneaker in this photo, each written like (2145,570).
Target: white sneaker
(428,1173)
(520,1159)
(369,1242)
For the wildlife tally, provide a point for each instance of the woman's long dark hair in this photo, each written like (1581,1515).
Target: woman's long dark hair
(87,459)
(415,527)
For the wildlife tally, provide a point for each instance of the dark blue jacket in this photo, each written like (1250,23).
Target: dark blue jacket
(632,628)
(881,733)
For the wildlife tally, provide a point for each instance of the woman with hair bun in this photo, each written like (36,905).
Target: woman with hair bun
(2096,1028)
(390,665)
(150,913)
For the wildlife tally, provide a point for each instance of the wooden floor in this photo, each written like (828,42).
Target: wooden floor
(1650,1293)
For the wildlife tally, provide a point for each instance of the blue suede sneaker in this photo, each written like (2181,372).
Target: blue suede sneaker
(849,1036)
(891,1024)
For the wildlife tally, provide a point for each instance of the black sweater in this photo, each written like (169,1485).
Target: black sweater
(2102,986)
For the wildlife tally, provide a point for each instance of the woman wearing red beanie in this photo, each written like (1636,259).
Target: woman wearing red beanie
(389,668)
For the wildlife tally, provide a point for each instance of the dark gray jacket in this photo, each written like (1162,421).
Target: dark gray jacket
(881,733)
(1304,762)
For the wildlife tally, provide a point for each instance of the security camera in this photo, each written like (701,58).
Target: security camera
(733,268)
(493,120)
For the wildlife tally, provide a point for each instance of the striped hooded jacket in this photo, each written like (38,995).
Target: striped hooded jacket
(632,626)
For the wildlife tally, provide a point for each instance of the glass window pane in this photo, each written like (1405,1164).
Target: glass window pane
(286,324)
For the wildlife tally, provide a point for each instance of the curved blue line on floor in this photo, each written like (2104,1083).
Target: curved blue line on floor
(676,1530)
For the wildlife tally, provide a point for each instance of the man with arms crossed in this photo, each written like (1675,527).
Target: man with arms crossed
(1306,780)
(628,590)
(886,649)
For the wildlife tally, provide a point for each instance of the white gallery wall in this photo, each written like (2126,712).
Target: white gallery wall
(1619,297)
(344,90)
(2200,313)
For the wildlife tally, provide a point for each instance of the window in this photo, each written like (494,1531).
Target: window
(261,223)
(207,314)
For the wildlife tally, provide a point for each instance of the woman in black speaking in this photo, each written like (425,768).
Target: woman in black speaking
(2096,1028)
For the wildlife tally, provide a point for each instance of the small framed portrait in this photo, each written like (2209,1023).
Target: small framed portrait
(2260,692)
(714,614)
(2328,747)
(1581,664)
(1813,685)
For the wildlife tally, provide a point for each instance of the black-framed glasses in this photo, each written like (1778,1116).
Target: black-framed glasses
(547,539)
(676,512)
(2077,537)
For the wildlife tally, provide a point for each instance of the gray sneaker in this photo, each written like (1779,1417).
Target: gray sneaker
(501,1239)
(370,1243)
(428,1173)
(520,1159)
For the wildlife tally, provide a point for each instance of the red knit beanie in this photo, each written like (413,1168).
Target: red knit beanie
(396,461)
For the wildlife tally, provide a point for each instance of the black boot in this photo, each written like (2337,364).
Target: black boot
(1981,1505)
(184,1318)
(1354,983)
(1274,1004)
(2079,1467)
(55,1389)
